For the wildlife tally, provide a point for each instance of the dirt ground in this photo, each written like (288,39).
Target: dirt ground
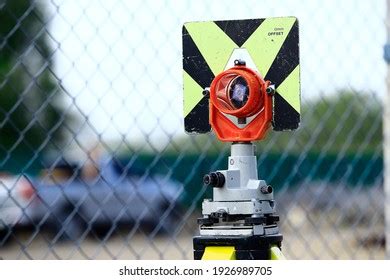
(307,243)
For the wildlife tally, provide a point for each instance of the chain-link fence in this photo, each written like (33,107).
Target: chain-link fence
(93,156)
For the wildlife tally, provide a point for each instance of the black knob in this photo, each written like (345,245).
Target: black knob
(214,179)
(266,189)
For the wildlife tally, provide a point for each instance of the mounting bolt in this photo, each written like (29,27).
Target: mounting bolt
(241,120)
(270,90)
(239,62)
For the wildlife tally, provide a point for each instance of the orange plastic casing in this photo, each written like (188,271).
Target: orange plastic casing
(259,102)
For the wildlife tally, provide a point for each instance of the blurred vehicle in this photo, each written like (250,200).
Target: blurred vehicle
(105,195)
(16,192)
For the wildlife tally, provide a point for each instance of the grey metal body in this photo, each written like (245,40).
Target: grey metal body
(241,194)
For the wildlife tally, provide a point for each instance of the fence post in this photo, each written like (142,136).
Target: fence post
(386,132)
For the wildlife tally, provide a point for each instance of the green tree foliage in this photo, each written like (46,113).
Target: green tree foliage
(347,121)
(32,119)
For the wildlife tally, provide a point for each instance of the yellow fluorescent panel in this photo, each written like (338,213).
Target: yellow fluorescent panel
(264,47)
(289,89)
(192,93)
(214,45)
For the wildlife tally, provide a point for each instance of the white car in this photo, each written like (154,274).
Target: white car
(16,192)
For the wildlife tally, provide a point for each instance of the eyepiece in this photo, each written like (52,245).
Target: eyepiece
(214,179)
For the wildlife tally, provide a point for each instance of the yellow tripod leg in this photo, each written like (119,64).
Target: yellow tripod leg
(276,253)
(229,253)
(219,253)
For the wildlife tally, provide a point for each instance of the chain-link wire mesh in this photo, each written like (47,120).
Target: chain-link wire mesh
(93,156)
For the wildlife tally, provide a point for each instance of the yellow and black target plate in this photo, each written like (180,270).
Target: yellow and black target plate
(270,45)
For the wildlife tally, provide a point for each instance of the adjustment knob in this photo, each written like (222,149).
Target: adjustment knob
(214,179)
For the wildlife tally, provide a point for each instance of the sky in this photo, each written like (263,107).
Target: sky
(120,61)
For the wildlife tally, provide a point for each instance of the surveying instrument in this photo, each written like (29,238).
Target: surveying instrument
(240,78)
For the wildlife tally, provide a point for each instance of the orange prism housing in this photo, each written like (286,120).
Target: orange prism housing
(259,102)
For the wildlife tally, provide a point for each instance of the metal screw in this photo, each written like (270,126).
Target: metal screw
(270,89)
(206,92)
(239,62)
(241,120)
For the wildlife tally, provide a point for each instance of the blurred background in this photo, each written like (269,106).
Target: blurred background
(94,161)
